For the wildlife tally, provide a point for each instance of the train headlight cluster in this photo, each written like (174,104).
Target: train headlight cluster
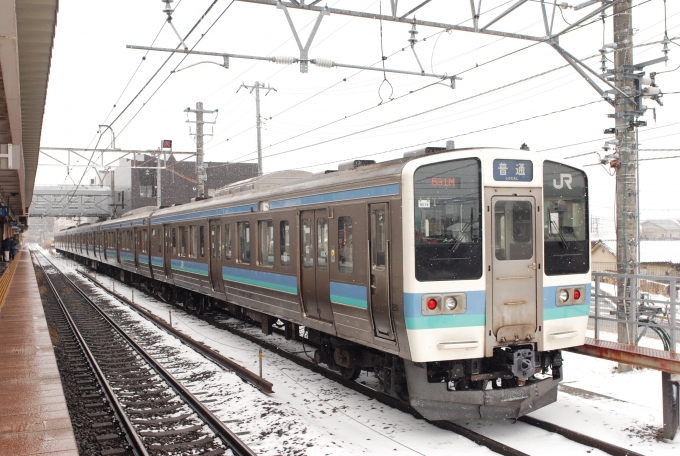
(445,303)
(567,296)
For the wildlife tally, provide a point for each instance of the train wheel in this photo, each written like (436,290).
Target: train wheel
(351,373)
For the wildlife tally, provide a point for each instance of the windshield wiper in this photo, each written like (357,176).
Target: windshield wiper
(459,239)
(557,229)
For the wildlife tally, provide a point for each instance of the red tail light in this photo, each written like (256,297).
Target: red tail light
(577,295)
(431,304)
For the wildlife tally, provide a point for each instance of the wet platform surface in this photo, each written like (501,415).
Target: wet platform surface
(33,414)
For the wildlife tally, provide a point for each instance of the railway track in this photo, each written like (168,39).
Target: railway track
(480,439)
(125,388)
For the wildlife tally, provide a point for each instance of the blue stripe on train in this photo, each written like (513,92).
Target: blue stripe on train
(192,267)
(475,313)
(383,190)
(349,295)
(269,280)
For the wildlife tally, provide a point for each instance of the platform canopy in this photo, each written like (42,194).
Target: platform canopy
(27,30)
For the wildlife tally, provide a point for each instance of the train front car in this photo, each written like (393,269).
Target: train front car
(496,280)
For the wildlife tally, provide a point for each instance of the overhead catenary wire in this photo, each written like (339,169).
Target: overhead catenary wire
(422,88)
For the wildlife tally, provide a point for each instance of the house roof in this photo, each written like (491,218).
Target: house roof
(660,252)
(666,224)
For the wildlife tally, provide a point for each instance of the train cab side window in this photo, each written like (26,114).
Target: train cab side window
(284,227)
(307,244)
(193,242)
(266,243)
(244,242)
(345,262)
(227,242)
(201,240)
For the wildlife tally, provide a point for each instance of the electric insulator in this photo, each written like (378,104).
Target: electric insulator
(323,63)
(284,59)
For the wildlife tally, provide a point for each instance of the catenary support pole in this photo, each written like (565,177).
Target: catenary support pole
(200,168)
(626,172)
(670,391)
(258,117)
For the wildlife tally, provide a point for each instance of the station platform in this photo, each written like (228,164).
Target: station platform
(34,418)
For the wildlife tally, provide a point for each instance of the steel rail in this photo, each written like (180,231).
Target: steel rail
(130,433)
(260,383)
(579,438)
(223,432)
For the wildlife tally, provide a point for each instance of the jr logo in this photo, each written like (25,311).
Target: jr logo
(564,179)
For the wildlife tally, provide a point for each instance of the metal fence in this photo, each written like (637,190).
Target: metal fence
(652,311)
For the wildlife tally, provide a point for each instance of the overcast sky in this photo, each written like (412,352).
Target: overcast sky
(92,71)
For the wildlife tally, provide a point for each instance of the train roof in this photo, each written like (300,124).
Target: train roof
(246,195)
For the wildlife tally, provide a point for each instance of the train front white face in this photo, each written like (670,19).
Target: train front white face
(496,252)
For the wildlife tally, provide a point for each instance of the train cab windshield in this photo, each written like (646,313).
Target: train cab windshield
(448,232)
(565,220)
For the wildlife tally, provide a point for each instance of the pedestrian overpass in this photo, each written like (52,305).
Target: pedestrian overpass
(63,201)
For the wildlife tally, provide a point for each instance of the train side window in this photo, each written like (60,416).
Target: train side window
(193,242)
(378,239)
(183,241)
(285,243)
(174,241)
(201,240)
(227,242)
(244,242)
(322,243)
(345,262)
(266,243)
(307,244)
(145,241)
(215,242)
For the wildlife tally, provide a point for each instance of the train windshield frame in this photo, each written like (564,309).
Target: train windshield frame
(447,220)
(565,220)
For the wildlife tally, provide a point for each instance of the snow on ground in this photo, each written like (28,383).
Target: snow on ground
(309,414)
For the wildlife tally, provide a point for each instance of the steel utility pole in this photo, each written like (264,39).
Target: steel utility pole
(258,118)
(627,212)
(200,169)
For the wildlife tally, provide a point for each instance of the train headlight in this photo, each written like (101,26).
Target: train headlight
(432,304)
(451,303)
(564,296)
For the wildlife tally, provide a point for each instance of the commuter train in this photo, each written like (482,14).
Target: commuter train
(455,276)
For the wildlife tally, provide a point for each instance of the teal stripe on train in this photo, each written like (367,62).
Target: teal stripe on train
(191,267)
(157,261)
(349,295)
(269,280)
(127,256)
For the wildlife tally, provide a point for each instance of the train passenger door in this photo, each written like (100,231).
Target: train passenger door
(513,268)
(315,275)
(169,241)
(216,281)
(380,270)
